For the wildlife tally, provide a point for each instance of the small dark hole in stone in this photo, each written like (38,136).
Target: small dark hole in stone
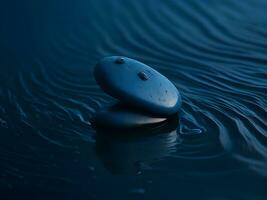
(143,76)
(120,60)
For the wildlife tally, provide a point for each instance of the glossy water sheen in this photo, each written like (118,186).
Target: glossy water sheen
(214,52)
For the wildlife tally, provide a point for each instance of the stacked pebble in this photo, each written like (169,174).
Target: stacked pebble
(145,96)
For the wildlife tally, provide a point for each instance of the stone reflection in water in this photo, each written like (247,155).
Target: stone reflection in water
(128,151)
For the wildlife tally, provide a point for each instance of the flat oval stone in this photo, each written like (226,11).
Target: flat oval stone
(137,84)
(119,116)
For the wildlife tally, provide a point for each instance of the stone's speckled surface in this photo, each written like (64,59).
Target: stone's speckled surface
(122,117)
(137,84)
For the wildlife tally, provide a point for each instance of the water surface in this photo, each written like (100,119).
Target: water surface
(213,51)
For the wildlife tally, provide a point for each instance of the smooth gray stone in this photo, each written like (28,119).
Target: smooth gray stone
(137,84)
(120,116)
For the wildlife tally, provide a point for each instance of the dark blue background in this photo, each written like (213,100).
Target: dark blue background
(213,51)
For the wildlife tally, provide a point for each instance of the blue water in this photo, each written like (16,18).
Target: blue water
(215,52)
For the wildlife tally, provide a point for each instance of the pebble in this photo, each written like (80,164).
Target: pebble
(138,85)
(119,116)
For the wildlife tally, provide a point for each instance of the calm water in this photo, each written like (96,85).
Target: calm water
(215,52)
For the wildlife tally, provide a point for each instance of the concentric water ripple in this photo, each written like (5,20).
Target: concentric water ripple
(213,51)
